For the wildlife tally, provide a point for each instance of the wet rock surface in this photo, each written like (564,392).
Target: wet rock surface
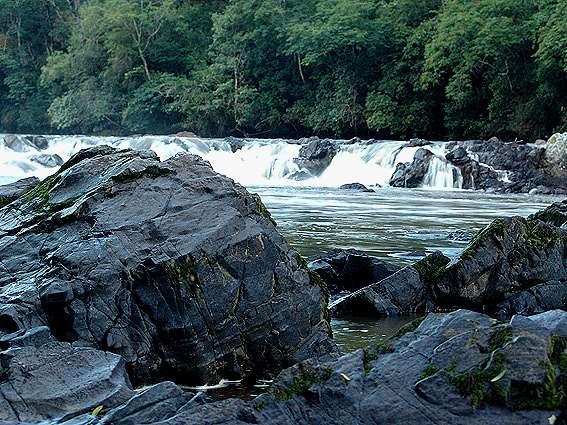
(315,156)
(405,292)
(411,175)
(173,267)
(528,168)
(50,161)
(356,187)
(514,265)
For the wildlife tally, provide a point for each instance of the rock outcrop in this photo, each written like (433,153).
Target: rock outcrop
(405,292)
(173,267)
(42,380)
(461,368)
(528,168)
(11,192)
(412,174)
(515,265)
(315,156)
(475,175)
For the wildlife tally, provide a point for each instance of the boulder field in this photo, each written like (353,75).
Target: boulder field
(455,368)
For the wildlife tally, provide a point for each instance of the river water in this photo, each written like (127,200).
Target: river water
(400,225)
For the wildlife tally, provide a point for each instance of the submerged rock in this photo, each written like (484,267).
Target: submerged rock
(412,174)
(358,187)
(172,266)
(10,192)
(350,270)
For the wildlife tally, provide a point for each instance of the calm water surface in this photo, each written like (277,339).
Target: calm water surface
(396,224)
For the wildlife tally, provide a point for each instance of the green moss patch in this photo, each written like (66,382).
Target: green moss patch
(301,383)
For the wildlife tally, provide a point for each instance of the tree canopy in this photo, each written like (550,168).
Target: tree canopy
(384,68)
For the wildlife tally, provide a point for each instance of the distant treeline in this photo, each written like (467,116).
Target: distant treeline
(387,68)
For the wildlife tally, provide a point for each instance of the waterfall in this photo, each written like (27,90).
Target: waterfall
(252,162)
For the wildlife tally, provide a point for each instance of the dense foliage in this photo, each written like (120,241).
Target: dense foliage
(392,68)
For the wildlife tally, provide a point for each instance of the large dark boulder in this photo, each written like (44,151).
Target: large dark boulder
(412,174)
(461,368)
(407,291)
(350,269)
(315,157)
(172,266)
(11,192)
(513,265)
(42,380)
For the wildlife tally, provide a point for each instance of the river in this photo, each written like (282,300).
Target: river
(399,225)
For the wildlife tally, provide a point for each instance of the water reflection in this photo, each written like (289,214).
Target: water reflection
(352,333)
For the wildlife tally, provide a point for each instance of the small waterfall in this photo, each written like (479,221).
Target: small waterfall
(254,162)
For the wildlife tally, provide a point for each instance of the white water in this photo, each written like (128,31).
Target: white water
(260,162)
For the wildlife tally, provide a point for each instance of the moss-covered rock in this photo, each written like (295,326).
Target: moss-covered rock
(506,259)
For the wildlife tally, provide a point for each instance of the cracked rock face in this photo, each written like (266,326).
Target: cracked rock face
(177,269)
(458,368)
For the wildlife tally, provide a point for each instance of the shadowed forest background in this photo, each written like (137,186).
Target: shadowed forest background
(390,68)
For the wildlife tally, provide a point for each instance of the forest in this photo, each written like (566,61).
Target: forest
(285,68)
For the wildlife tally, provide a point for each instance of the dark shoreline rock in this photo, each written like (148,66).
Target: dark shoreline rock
(508,258)
(350,269)
(461,368)
(177,269)
(513,266)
